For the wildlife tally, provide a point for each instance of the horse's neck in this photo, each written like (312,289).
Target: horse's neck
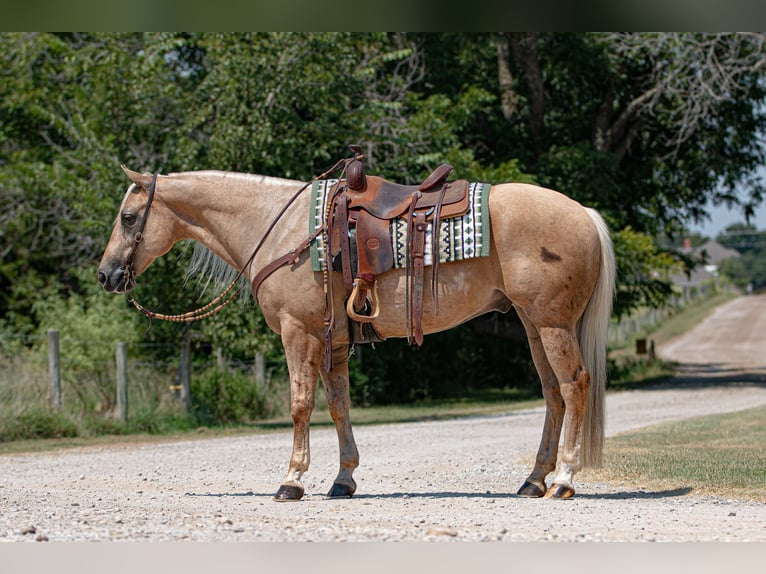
(226,212)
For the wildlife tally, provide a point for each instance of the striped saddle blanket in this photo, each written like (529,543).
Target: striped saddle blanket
(460,238)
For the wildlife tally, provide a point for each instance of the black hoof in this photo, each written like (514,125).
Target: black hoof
(289,493)
(560,491)
(339,490)
(531,490)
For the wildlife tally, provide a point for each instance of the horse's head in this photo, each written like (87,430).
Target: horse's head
(142,232)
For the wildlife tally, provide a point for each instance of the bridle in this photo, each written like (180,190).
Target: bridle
(228,294)
(139,236)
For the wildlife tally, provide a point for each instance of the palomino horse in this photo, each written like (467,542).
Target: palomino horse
(551,259)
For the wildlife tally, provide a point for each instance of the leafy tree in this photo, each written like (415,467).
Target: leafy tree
(645,127)
(750,268)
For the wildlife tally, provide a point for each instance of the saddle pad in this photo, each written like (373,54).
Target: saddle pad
(463,237)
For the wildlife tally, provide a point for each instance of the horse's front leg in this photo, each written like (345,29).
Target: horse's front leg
(303,353)
(336,387)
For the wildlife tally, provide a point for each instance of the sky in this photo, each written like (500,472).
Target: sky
(721,216)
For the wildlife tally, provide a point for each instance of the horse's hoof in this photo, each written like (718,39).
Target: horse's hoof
(560,491)
(340,490)
(531,490)
(289,493)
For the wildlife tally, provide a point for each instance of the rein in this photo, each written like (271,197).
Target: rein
(226,296)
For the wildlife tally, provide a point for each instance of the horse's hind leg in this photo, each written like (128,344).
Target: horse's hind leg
(303,353)
(339,401)
(563,354)
(545,462)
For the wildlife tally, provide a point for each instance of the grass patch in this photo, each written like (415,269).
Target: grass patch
(719,455)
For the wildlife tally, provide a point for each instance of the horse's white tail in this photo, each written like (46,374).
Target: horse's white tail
(593,332)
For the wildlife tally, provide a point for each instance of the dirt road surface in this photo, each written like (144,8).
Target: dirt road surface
(440,481)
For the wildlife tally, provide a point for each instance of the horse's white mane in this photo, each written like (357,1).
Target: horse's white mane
(211,272)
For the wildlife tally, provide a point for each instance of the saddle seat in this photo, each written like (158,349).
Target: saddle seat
(387,200)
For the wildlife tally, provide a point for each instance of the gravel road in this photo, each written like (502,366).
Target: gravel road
(449,480)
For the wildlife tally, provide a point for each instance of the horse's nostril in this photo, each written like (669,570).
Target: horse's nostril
(102,278)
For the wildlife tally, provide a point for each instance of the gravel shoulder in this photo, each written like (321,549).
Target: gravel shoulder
(447,480)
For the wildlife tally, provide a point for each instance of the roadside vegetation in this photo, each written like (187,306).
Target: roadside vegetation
(234,402)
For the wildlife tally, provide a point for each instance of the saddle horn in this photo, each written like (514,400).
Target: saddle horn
(355,178)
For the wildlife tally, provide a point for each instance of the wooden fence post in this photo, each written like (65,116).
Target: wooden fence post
(122,381)
(260,370)
(54,368)
(184,372)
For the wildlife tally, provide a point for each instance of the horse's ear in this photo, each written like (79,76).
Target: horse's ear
(142,179)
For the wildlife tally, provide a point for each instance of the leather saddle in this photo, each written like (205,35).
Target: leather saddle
(362,210)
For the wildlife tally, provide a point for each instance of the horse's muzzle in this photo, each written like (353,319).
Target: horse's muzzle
(115,280)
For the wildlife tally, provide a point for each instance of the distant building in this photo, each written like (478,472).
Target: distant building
(714,253)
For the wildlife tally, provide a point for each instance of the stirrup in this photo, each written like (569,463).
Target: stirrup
(372,297)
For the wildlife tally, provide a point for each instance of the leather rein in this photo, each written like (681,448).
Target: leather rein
(227,295)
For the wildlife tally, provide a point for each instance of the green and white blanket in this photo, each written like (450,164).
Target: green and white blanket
(463,237)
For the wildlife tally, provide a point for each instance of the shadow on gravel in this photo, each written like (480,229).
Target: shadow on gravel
(631,495)
(638,494)
(700,375)
(228,494)
(627,495)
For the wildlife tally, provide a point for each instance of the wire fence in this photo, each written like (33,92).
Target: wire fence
(43,371)
(638,324)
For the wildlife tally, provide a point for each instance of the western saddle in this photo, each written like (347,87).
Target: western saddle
(359,214)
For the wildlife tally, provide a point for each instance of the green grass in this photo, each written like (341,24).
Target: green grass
(719,455)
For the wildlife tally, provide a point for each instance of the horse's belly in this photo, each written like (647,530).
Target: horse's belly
(465,290)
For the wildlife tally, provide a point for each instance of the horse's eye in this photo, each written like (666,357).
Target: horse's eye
(128,219)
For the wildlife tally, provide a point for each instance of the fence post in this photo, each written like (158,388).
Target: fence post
(54,368)
(122,381)
(184,372)
(260,370)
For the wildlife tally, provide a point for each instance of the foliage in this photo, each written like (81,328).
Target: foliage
(221,397)
(37,423)
(644,274)
(644,127)
(90,326)
(750,267)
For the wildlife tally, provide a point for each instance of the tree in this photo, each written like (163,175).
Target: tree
(72,108)
(647,128)
(662,124)
(750,268)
